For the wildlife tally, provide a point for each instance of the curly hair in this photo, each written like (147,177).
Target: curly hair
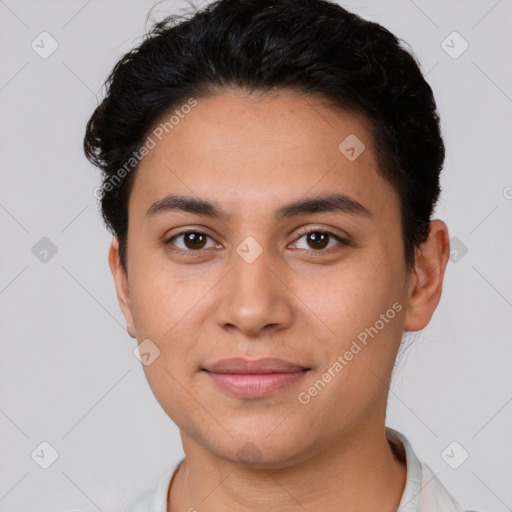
(313,47)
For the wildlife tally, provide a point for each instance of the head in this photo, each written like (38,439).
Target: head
(270,169)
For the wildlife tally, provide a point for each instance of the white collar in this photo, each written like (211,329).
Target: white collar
(422,493)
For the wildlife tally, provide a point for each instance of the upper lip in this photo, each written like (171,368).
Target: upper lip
(257,366)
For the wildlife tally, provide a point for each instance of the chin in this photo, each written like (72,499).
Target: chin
(261,446)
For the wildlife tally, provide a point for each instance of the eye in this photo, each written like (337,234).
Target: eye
(193,241)
(319,240)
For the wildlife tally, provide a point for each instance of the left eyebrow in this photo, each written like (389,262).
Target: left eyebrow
(338,203)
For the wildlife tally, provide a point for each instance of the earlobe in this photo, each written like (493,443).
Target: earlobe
(427,277)
(121,283)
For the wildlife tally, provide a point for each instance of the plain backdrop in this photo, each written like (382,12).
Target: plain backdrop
(71,388)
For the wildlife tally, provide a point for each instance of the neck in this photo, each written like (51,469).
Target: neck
(358,473)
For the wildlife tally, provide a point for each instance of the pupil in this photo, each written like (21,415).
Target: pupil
(318,237)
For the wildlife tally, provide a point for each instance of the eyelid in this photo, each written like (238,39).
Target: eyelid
(304,230)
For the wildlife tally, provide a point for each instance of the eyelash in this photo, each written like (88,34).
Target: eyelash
(318,252)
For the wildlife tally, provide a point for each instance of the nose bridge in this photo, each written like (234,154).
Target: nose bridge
(252,269)
(253,297)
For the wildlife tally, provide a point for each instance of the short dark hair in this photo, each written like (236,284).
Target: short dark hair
(312,47)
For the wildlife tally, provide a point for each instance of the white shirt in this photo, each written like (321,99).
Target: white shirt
(422,492)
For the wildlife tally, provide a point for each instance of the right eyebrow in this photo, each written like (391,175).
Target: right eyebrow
(187,204)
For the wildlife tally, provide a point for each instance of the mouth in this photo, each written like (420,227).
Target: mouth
(254,379)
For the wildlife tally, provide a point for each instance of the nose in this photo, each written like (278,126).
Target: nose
(254,298)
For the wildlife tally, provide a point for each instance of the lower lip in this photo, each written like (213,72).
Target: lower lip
(255,386)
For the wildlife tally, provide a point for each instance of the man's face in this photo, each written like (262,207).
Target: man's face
(254,285)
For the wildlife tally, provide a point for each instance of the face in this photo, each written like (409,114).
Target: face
(321,284)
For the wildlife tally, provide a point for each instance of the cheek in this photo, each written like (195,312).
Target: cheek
(160,297)
(363,305)
(171,313)
(163,309)
(172,391)
(360,290)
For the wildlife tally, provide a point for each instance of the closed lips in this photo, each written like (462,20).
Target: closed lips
(256,379)
(262,366)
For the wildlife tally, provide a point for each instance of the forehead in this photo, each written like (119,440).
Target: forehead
(260,149)
(273,122)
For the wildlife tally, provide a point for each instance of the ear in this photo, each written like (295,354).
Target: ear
(426,279)
(121,282)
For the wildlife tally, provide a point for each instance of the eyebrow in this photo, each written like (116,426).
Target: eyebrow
(338,203)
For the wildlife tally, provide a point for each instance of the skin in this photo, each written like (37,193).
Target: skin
(294,301)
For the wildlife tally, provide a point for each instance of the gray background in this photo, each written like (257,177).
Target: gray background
(68,375)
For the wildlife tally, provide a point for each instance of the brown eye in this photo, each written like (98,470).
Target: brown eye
(194,240)
(191,241)
(317,240)
(320,241)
